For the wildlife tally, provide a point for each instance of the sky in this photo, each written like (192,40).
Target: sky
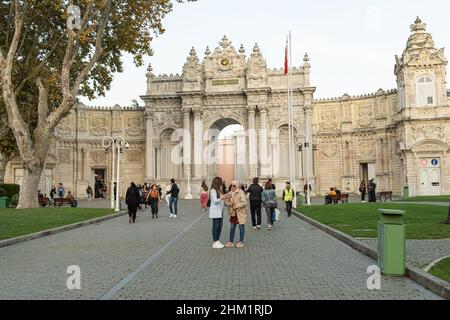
(351,43)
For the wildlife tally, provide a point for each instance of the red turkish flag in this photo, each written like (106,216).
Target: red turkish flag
(286,64)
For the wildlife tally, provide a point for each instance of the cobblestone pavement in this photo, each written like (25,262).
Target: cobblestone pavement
(173,259)
(421,253)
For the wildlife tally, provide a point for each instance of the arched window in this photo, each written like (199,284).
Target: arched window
(426,93)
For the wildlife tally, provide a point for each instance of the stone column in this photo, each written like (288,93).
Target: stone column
(187,151)
(252,156)
(263,156)
(149,175)
(198,143)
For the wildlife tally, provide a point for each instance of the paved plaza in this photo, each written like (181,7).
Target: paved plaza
(173,259)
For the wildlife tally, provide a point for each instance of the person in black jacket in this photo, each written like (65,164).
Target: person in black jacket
(132,200)
(173,201)
(255,191)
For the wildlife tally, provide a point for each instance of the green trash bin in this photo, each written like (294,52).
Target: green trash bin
(299,199)
(391,242)
(4,202)
(405,193)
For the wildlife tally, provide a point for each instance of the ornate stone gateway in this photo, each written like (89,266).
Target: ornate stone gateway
(225,88)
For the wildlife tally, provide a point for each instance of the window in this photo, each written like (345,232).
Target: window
(426,92)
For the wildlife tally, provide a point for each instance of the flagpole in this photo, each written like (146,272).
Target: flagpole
(293,164)
(289,108)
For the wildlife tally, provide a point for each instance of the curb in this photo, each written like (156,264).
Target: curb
(45,233)
(430,282)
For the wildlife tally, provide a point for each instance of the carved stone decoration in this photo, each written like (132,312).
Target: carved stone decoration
(427,132)
(134,156)
(64,129)
(366,117)
(366,149)
(64,156)
(328,120)
(329,150)
(192,70)
(256,67)
(135,127)
(98,157)
(98,126)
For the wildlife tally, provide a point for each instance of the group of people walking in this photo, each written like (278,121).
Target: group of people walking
(235,200)
(150,195)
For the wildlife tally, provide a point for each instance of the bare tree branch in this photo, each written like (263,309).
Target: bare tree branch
(43,103)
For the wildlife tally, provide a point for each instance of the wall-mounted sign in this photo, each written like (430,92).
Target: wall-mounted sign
(435,162)
(227,82)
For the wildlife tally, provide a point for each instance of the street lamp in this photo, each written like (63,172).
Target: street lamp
(108,143)
(117,144)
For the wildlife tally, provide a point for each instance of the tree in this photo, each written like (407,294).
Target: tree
(45,48)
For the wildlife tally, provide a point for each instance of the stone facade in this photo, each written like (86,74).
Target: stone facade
(399,137)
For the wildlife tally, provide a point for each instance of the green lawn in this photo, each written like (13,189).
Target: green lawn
(442,270)
(360,220)
(14,223)
(429,199)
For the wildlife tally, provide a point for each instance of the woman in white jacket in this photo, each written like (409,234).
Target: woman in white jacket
(216,211)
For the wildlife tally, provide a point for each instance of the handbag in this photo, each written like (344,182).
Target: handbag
(234,219)
(277,215)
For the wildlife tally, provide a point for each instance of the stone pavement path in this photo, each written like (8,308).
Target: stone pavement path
(173,259)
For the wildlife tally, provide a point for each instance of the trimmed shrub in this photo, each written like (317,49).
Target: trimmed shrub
(3,193)
(11,189)
(14,200)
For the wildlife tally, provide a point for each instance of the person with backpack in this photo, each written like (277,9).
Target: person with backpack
(269,199)
(288,197)
(153,199)
(255,197)
(173,201)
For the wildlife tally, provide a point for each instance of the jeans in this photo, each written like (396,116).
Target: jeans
(289,207)
(173,201)
(255,212)
(241,232)
(269,212)
(363,196)
(217,228)
(154,206)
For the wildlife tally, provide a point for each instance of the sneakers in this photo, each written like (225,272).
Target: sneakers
(171,215)
(254,227)
(229,244)
(129,220)
(217,245)
(153,216)
(239,245)
(269,227)
(174,216)
(258,227)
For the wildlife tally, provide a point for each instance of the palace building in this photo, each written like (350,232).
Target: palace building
(399,137)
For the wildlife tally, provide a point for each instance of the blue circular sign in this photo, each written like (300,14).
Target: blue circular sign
(435,162)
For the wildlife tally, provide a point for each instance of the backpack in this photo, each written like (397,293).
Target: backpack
(154,194)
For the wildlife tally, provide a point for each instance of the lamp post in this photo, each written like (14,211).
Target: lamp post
(108,143)
(117,144)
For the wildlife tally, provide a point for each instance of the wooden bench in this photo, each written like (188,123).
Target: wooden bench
(43,202)
(384,194)
(343,197)
(61,201)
